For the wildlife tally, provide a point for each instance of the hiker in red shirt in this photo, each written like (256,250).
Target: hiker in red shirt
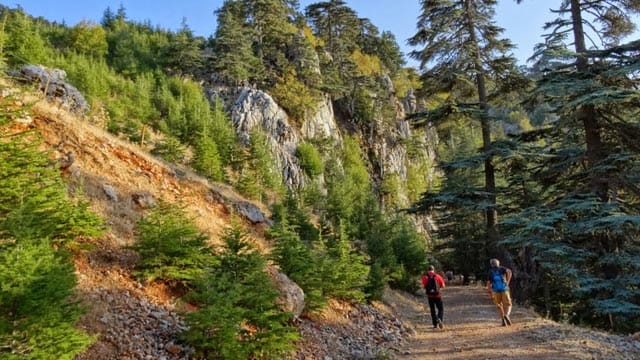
(432,283)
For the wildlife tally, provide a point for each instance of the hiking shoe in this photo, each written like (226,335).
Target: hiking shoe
(504,322)
(507,320)
(440,324)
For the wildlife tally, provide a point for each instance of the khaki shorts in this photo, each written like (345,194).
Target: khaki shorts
(502,298)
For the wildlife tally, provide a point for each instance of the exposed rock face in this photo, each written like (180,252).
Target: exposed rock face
(245,209)
(256,109)
(387,141)
(410,103)
(291,295)
(51,82)
(250,212)
(321,124)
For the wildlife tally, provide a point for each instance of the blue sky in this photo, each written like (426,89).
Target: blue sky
(523,23)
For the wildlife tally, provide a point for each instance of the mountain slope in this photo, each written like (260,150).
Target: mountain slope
(135,320)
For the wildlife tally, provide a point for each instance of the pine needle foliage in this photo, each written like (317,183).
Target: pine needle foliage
(37,315)
(237,317)
(580,216)
(33,199)
(38,223)
(464,56)
(259,172)
(344,270)
(298,259)
(171,247)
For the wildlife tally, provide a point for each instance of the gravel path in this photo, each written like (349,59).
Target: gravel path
(473,331)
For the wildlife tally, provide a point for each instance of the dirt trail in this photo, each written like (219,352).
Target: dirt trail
(473,331)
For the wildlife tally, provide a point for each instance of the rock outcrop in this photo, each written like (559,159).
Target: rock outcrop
(257,109)
(291,295)
(322,124)
(52,83)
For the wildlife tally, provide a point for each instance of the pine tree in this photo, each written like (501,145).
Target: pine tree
(273,33)
(183,52)
(468,60)
(223,133)
(233,56)
(296,258)
(25,43)
(38,224)
(171,248)
(337,25)
(207,158)
(344,270)
(237,316)
(260,172)
(582,211)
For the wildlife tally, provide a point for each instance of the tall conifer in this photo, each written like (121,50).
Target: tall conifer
(465,57)
(583,220)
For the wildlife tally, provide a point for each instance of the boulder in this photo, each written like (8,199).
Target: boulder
(291,295)
(52,83)
(251,212)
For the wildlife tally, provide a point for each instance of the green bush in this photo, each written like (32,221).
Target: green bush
(171,248)
(237,317)
(310,159)
(294,96)
(37,278)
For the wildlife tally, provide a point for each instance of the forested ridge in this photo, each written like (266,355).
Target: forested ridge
(467,158)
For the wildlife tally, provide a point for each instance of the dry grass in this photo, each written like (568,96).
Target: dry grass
(101,159)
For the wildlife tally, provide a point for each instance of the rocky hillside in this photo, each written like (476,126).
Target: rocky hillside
(132,320)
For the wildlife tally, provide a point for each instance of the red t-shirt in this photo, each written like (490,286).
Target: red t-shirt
(439,280)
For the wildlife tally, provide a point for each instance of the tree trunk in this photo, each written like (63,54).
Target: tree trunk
(491,215)
(587,114)
(595,150)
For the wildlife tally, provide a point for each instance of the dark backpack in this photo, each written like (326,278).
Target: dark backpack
(432,286)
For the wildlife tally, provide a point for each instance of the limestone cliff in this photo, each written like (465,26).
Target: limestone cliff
(385,140)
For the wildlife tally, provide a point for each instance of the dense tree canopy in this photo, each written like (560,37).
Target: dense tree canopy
(580,219)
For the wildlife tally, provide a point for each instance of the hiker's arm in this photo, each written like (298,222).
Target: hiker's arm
(509,274)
